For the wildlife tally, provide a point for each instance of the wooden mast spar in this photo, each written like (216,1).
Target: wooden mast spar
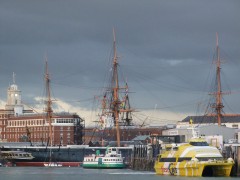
(219,105)
(48,103)
(49,114)
(113,104)
(115,86)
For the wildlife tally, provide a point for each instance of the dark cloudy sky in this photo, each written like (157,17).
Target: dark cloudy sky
(165,49)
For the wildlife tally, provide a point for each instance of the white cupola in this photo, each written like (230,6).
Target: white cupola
(14,98)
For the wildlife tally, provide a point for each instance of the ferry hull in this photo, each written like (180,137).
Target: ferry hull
(198,169)
(103,166)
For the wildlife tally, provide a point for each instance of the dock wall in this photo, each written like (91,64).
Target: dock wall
(144,157)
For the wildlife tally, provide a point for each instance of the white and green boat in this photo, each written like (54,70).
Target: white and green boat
(111,159)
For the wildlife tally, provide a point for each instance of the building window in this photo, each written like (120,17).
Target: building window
(235,126)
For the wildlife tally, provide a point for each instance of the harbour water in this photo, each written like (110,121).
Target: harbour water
(76,173)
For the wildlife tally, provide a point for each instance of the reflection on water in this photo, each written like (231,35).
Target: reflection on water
(78,173)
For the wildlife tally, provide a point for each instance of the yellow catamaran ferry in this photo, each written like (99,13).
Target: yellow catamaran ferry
(195,158)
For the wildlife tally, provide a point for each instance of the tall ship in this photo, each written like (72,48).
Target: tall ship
(197,157)
(112,106)
(59,137)
(212,111)
(115,104)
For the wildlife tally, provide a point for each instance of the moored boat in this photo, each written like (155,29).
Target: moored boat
(195,158)
(12,158)
(111,159)
(16,156)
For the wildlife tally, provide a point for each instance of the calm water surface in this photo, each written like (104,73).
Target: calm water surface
(78,173)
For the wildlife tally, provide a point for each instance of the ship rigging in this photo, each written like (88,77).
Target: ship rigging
(218,106)
(114,106)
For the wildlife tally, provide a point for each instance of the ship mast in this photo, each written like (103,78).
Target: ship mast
(48,102)
(113,103)
(219,105)
(115,86)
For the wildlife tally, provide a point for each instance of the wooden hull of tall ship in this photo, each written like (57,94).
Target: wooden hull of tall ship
(66,155)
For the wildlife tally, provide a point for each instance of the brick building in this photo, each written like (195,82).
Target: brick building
(21,125)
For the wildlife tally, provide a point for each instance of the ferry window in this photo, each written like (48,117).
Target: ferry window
(199,143)
(167,160)
(175,148)
(168,148)
(209,158)
(235,125)
(184,159)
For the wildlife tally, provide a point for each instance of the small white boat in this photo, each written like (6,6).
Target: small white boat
(111,159)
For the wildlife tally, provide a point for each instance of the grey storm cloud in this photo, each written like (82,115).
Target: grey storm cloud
(165,47)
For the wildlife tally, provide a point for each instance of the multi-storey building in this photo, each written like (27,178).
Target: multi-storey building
(20,125)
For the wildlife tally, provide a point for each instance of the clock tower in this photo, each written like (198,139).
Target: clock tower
(14,98)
